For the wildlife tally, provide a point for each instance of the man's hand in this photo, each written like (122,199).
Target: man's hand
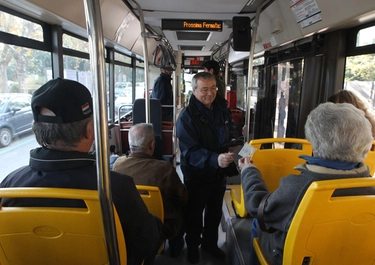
(225,159)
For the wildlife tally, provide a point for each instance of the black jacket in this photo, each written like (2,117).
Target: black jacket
(199,144)
(49,168)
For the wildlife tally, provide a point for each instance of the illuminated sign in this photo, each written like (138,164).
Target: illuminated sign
(189,24)
(195,62)
(189,61)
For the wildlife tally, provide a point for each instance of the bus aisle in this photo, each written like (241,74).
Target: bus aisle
(234,237)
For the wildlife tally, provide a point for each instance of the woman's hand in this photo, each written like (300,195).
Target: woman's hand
(244,161)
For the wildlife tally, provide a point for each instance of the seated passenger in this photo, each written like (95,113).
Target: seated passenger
(113,157)
(346,96)
(340,136)
(147,170)
(63,126)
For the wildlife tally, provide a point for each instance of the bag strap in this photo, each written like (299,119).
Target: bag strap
(260,215)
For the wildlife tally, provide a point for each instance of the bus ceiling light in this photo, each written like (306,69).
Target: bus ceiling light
(322,30)
(123,26)
(250,2)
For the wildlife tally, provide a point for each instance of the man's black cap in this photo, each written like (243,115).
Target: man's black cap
(69,100)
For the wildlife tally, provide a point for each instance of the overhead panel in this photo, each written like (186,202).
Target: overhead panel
(190,48)
(194,36)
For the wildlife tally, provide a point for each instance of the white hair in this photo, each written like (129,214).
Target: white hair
(339,132)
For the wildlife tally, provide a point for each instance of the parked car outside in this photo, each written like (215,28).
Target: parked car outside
(125,100)
(121,86)
(16,116)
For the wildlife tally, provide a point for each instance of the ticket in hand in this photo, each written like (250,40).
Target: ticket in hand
(246,150)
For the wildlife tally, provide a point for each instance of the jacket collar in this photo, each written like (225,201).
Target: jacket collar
(163,75)
(360,169)
(44,159)
(141,155)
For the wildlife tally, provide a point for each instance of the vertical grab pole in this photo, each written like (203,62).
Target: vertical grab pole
(97,64)
(145,55)
(227,63)
(250,70)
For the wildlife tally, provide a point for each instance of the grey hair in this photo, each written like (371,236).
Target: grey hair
(62,136)
(201,75)
(140,136)
(339,132)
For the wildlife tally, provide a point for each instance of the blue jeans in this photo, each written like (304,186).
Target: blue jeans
(254,234)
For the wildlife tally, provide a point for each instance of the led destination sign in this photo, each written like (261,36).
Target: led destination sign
(189,24)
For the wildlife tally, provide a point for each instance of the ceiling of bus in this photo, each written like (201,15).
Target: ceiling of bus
(277,25)
(193,42)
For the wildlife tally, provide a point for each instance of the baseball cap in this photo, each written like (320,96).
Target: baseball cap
(69,100)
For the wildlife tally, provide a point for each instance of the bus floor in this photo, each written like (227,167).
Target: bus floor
(205,258)
(234,238)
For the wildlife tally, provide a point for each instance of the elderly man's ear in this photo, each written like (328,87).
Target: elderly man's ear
(152,145)
(90,134)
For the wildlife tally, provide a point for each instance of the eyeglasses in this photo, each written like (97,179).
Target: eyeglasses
(205,91)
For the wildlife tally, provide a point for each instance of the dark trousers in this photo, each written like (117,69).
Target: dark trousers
(208,197)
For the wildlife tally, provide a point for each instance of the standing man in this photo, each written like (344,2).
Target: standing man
(204,129)
(163,91)
(213,68)
(64,127)
(147,170)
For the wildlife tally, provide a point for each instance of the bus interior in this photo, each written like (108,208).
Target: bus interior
(279,59)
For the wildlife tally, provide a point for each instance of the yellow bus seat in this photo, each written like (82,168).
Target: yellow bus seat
(370,159)
(151,196)
(55,235)
(277,163)
(330,230)
(274,164)
(238,203)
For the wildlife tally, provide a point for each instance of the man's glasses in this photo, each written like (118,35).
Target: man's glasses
(205,91)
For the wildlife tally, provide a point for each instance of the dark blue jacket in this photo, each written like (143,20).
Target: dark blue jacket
(50,168)
(163,91)
(199,145)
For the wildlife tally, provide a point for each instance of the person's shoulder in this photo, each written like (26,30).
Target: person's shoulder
(121,159)
(16,175)
(165,164)
(183,113)
(121,177)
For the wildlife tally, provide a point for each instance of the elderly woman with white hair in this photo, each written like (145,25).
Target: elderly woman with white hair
(341,137)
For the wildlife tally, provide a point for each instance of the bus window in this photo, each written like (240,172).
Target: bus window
(75,43)
(360,76)
(123,78)
(140,86)
(24,70)
(276,110)
(78,69)
(20,27)
(366,37)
